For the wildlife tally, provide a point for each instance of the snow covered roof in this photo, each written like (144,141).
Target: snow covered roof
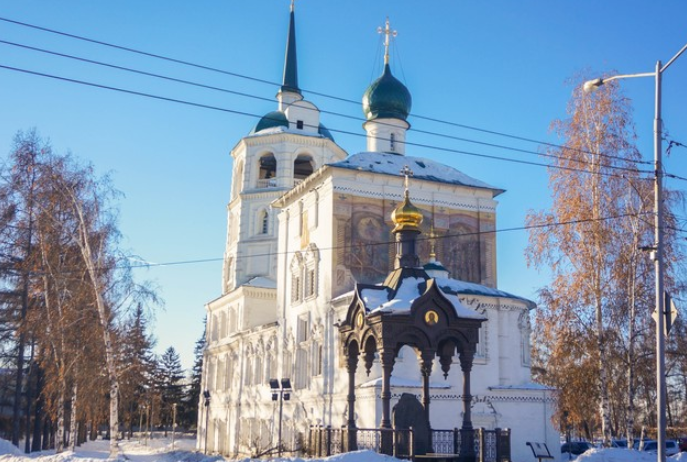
(456,287)
(425,169)
(323,132)
(383,299)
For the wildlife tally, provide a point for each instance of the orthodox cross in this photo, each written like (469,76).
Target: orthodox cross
(387,32)
(432,242)
(406,171)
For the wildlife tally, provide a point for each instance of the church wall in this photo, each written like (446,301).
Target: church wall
(362,227)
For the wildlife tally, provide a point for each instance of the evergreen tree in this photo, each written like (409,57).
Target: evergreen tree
(138,368)
(171,385)
(193,392)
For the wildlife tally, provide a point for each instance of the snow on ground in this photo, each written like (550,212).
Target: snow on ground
(160,450)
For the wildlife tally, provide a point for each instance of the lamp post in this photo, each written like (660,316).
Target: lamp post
(206,395)
(174,422)
(657,249)
(280,391)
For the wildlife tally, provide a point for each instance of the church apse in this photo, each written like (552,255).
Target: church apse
(365,249)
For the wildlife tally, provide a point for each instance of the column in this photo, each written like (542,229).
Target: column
(387,360)
(351,366)
(467,433)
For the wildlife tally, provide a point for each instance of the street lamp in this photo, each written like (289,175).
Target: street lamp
(280,391)
(206,395)
(657,249)
(174,422)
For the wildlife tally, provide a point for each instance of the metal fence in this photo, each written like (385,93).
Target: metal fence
(489,445)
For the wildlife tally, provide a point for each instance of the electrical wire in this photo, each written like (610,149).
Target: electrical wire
(372,244)
(248,114)
(268,82)
(247,95)
(381,243)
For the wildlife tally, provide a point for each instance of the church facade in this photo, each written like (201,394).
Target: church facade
(308,225)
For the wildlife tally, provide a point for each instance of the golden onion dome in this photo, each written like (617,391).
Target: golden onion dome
(406,216)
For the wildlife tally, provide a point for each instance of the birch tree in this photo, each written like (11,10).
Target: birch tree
(590,181)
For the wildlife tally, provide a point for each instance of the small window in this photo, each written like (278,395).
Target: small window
(302,329)
(296,288)
(299,124)
(392,142)
(310,286)
(264,222)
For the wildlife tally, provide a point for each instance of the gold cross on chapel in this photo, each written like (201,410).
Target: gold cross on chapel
(388,33)
(406,171)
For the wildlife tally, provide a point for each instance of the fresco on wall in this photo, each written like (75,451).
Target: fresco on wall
(365,249)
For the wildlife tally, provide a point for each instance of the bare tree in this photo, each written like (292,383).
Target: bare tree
(589,179)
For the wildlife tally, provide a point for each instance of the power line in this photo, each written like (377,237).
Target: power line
(247,95)
(248,114)
(268,82)
(373,244)
(370,244)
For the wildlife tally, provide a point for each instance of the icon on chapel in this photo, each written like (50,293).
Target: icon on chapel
(431,318)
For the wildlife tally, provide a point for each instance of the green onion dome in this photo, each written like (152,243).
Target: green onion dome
(271,120)
(387,98)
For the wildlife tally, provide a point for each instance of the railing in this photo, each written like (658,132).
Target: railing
(489,445)
(272,182)
(328,441)
(267,183)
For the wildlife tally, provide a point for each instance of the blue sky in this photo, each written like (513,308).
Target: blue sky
(495,65)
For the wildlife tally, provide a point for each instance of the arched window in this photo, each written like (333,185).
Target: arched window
(267,172)
(264,222)
(392,142)
(303,167)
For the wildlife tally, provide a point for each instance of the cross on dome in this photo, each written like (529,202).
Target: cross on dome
(387,32)
(407,172)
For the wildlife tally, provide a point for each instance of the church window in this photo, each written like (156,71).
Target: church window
(296,288)
(297,278)
(220,385)
(301,369)
(299,124)
(310,283)
(303,167)
(267,171)
(392,142)
(302,329)
(264,222)
(310,271)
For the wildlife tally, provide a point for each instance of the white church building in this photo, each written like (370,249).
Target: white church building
(315,234)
